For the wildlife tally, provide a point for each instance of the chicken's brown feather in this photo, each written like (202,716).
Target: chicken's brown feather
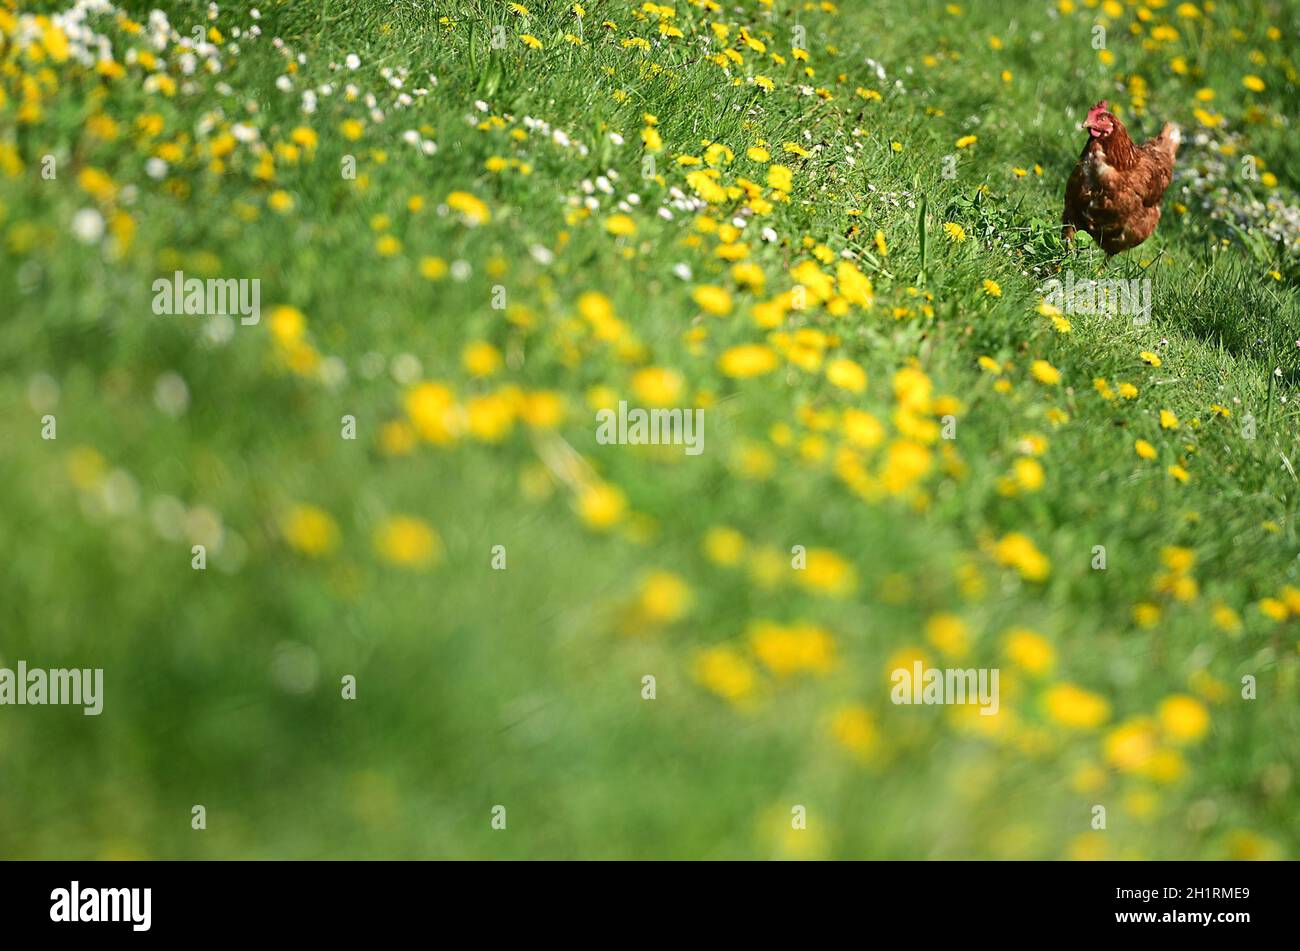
(1115,189)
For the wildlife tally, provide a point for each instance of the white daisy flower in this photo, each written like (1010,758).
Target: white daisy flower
(88,226)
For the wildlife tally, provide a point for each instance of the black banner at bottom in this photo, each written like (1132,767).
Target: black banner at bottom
(333,900)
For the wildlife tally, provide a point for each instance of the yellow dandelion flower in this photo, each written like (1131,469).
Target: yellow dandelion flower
(432,409)
(712,299)
(665,597)
(853,728)
(1018,551)
(847,375)
(1075,708)
(408,541)
(287,324)
(780,177)
(1183,719)
(748,274)
(657,386)
(620,225)
(481,359)
(718,154)
(724,546)
(1045,373)
(433,268)
(747,360)
(1029,650)
(1225,618)
(826,572)
(305,137)
(949,634)
(724,672)
(905,462)
(1146,614)
(792,649)
(601,505)
(862,429)
(311,531)
(473,210)
(1274,609)
(1028,474)
(1131,745)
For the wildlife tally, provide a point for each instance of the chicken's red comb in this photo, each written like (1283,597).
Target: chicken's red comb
(1098,109)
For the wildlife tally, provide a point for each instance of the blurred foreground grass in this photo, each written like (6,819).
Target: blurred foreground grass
(742,208)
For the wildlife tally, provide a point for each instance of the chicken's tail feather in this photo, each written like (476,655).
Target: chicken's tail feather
(1169,139)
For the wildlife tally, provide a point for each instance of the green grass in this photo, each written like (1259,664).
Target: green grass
(522,687)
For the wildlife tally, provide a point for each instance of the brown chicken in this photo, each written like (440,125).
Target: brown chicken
(1115,190)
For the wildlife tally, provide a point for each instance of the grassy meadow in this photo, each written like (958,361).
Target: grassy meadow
(476,224)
